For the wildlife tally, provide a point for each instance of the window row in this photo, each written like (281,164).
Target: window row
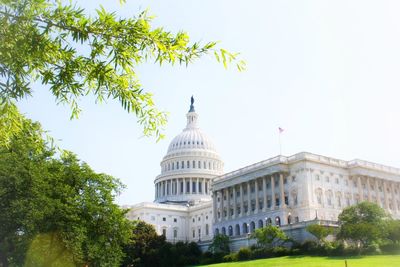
(191,165)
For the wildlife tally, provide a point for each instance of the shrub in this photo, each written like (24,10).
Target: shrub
(309,247)
(231,257)
(244,254)
(390,248)
(280,251)
(261,253)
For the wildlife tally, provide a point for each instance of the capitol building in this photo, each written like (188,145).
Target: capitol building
(194,199)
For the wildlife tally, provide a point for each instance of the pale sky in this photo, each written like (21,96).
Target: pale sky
(328,72)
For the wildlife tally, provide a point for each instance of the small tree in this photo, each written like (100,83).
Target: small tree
(144,246)
(269,235)
(220,244)
(320,232)
(393,231)
(363,224)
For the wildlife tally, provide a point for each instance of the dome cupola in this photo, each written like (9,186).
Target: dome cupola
(189,166)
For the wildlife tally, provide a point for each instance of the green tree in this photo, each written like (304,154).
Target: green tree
(393,231)
(143,248)
(320,232)
(59,46)
(363,224)
(51,204)
(268,236)
(220,244)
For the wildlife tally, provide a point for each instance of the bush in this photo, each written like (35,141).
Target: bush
(309,247)
(261,253)
(280,251)
(372,249)
(390,248)
(231,257)
(244,254)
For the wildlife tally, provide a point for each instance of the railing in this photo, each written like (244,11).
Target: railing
(312,157)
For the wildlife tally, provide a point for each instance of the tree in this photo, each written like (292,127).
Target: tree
(363,223)
(56,44)
(319,231)
(144,246)
(268,236)
(393,231)
(55,210)
(220,244)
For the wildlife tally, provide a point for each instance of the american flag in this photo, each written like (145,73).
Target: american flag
(280,130)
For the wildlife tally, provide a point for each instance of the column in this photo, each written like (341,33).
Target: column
(360,189)
(272,192)
(197,186)
(282,191)
(377,193)
(256,194)
(241,200)
(204,186)
(234,201)
(190,186)
(165,188)
(394,204)
(214,196)
(368,189)
(178,186)
(264,184)
(248,198)
(228,203)
(385,195)
(222,203)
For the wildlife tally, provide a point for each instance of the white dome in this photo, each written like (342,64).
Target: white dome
(189,139)
(189,166)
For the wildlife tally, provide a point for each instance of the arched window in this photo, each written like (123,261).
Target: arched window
(252,227)
(237,230)
(194,164)
(216,231)
(175,233)
(177,165)
(199,165)
(164,231)
(277,221)
(188,164)
(182,164)
(230,230)
(204,165)
(223,231)
(207,230)
(245,228)
(260,224)
(269,221)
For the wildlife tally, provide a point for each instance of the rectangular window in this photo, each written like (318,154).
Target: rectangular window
(200,187)
(187,187)
(182,187)
(193,187)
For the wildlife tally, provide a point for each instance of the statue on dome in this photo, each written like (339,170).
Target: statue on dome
(191,104)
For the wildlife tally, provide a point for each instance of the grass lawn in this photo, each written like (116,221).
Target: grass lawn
(309,261)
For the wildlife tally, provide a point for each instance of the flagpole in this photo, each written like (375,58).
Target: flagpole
(280,130)
(280,143)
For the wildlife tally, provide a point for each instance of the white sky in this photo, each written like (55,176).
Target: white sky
(325,71)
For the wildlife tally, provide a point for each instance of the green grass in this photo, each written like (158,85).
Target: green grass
(309,261)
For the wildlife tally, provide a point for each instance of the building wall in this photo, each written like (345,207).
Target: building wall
(291,191)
